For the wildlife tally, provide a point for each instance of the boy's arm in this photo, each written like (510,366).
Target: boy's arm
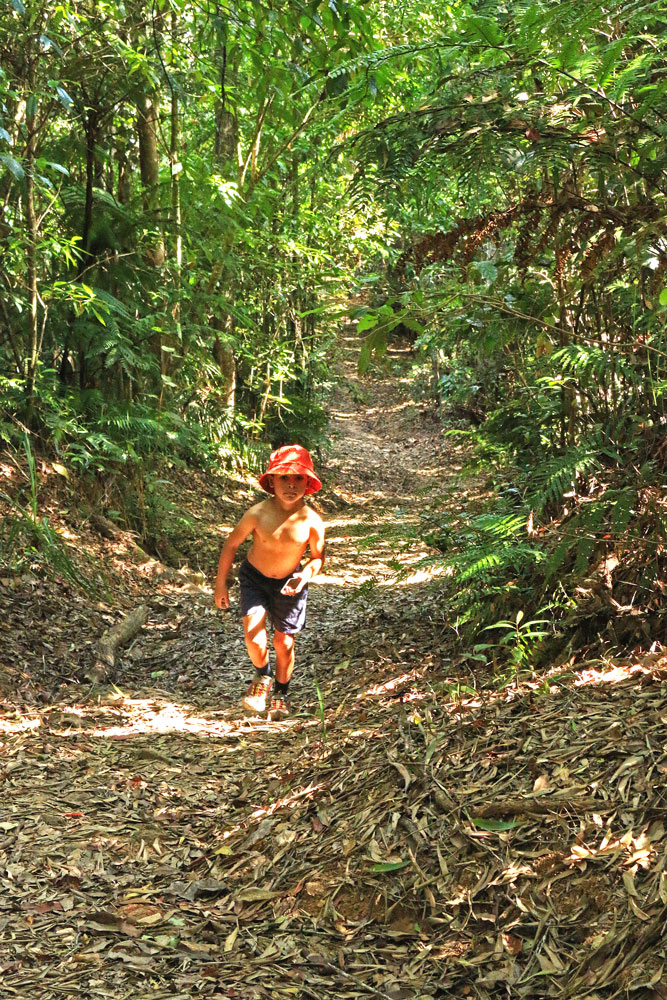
(239,534)
(316,545)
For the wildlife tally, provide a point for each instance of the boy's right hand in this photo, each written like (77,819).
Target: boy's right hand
(222,597)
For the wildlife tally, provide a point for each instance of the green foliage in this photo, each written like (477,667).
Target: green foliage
(174,304)
(520,638)
(491,180)
(26,539)
(531,254)
(491,562)
(553,478)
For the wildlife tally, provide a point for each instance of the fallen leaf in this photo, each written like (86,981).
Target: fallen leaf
(541,784)
(230,940)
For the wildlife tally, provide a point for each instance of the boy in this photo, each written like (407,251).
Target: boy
(274,584)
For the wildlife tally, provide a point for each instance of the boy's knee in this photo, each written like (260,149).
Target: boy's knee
(281,640)
(258,641)
(254,628)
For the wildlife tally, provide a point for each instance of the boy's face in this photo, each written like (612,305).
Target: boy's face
(289,489)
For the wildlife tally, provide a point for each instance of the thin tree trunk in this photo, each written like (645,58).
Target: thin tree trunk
(226,125)
(149,164)
(91,168)
(176,194)
(31,227)
(226,151)
(123,180)
(223,352)
(567,393)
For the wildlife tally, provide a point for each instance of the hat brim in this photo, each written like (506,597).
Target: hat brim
(290,469)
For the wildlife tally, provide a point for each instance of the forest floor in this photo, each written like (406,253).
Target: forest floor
(413,831)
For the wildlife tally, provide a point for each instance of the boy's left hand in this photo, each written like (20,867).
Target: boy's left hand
(294,585)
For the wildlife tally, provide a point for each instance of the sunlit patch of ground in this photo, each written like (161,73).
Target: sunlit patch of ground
(17,723)
(609,674)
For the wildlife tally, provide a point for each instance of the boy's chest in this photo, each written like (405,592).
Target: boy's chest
(290,531)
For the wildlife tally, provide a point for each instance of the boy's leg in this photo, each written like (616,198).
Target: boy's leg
(288,616)
(284,647)
(283,643)
(256,639)
(254,629)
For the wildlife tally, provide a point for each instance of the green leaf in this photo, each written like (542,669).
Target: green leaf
(4,134)
(487,269)
(486,29)
(364,356)
(59,167)
(367,322)
(663,297)
(18,6)
(412,324)
(64,97)
(374,344)
(13,166)
(494,824)
(48,43)
(389,866)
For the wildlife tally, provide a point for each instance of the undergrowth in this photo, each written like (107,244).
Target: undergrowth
(568,554)
(28,540)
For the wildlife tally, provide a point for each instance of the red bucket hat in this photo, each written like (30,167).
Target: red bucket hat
(291,460)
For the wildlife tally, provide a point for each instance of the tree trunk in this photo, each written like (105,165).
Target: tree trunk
(223,352)
(31,228)
(174,149)
(91,168)
(226,124)
(226,151)
(149,164)
(123,189)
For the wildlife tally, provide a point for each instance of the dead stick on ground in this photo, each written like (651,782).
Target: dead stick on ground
(114,637)
(533,807)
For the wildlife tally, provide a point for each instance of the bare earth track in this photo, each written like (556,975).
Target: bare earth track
(397,838)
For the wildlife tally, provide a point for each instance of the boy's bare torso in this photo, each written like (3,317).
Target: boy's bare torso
(279,538)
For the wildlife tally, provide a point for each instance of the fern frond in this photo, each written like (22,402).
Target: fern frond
(561,474)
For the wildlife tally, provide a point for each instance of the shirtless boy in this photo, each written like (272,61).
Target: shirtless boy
(274,584)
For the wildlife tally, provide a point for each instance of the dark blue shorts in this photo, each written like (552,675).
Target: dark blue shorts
(287,613)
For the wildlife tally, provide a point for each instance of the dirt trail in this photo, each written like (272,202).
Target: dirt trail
(156,844)
(417,830)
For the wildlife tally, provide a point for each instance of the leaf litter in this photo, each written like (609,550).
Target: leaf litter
(414,832)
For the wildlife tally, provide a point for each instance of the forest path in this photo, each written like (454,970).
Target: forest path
(161,843)
(414,831)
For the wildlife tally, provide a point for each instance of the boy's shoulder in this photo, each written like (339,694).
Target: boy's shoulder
(258,508)
(313,516)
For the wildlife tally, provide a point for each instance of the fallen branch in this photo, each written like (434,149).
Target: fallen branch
(113,533)
(537,807)
(114,637)
(150,566)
